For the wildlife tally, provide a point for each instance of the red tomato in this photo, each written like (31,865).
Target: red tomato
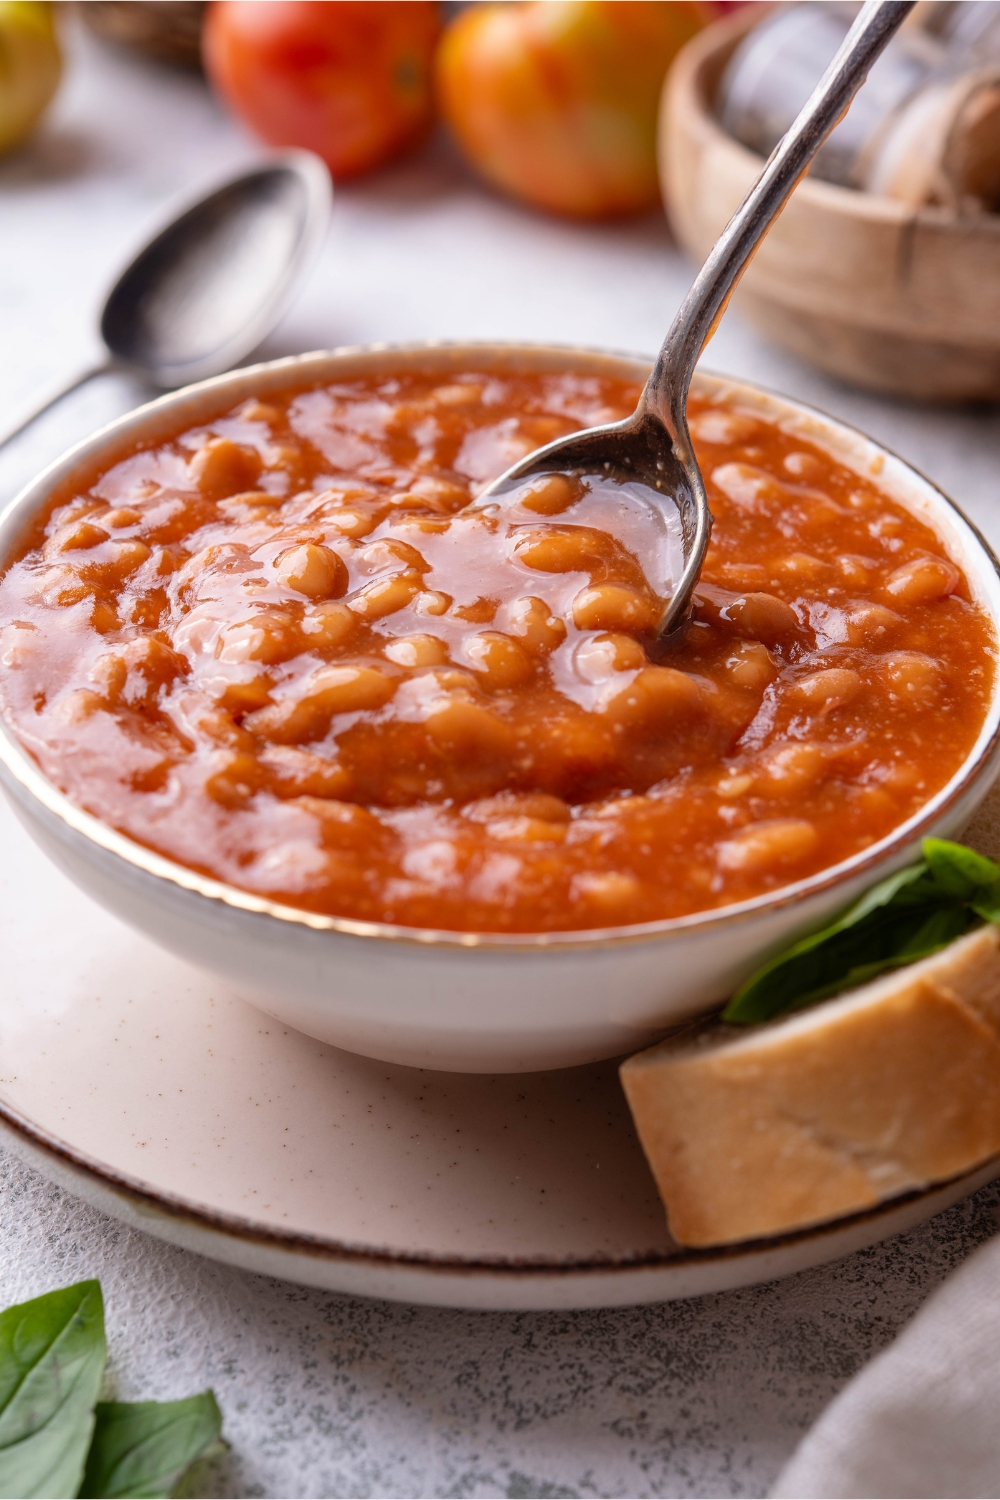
(555,100)
(347,79)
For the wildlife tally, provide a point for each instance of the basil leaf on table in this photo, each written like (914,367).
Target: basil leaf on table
(909,915)
(52,1356)
(143,1449)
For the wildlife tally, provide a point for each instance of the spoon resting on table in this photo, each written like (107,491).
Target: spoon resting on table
(650,452)
(211,284)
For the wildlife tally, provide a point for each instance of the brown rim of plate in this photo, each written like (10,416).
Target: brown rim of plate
(173,1206)
(24,770)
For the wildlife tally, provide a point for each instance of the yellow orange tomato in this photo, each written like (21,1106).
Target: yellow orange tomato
(347,79)
(30,67)
(555,100)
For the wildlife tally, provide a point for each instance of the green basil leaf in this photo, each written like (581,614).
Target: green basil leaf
(938,930)
(814,971)
(817,965)
(143,1449)
(932,934)
(908,916)
(862,973)
(52,1355)
(959,871)
(911,885)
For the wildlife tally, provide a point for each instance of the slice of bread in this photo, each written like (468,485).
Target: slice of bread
(757,1131)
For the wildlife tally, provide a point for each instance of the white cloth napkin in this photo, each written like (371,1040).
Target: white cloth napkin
(923,1418)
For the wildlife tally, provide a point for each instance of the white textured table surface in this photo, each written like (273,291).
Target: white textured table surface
(329,1396)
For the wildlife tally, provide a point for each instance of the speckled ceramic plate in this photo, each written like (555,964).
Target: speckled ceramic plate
(160,1097)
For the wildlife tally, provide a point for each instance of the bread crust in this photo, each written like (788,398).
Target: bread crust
(827,1112)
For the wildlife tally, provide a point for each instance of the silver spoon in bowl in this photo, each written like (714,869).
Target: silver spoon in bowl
(206,289)
(651,451)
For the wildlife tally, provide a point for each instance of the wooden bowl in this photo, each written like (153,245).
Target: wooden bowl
(901,300)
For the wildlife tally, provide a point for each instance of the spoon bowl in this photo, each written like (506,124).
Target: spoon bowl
(211,283)
(205,291)
(638,453)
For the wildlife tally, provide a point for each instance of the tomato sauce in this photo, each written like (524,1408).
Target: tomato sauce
(278,649)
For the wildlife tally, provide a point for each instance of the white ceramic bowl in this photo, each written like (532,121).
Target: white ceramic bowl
(467,1001)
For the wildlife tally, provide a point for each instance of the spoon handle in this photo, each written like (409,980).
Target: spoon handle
(48,396)
(667,388)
